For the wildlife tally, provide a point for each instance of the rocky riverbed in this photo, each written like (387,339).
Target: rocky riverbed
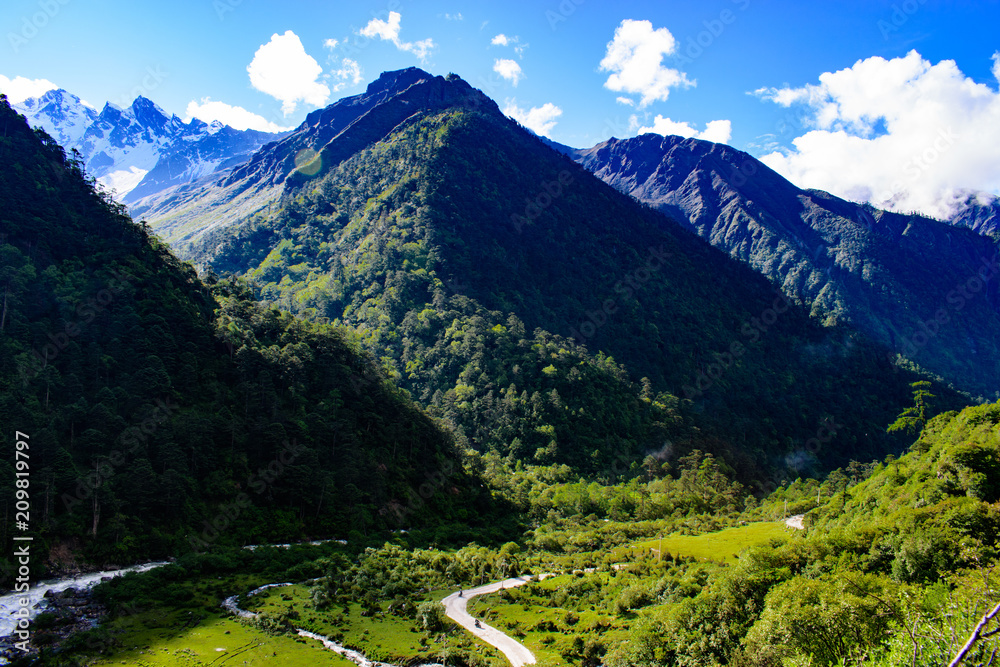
(59,608)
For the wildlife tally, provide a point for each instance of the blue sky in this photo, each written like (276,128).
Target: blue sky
(589,69)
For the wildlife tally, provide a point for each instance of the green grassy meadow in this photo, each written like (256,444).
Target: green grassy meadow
(723,546)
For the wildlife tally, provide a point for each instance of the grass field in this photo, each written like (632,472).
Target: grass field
(216,640)
(386,638)
(201,633)
(723,546)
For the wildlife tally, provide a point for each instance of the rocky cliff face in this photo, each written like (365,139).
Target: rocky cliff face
(980,213)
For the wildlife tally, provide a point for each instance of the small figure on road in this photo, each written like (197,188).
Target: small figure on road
(477,623)
(460,593)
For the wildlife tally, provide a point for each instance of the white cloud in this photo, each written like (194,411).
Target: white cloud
(389,31)
(902,134)
(627,101)
(19,88)
(635,59)
(237,118)
(454,17)
(331,43)
(718,131)
(539,120)
(349,70)
(282,69)
(508,69)
(386,30)
(504,40)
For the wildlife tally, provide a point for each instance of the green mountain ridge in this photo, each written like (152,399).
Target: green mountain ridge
(924,288)
(427,244)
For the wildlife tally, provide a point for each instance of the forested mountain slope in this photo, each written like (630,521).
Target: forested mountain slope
(493,277)
(165,414)
(895,566)
(924,288)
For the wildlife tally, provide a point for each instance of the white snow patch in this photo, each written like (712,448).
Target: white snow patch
(123,181)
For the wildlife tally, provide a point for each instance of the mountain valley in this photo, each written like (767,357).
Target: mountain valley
(336,379)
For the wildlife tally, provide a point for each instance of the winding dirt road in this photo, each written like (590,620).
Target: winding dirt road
(454,608)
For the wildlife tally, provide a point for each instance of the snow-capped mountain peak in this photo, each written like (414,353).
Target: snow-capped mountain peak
(64,116)
(140,149)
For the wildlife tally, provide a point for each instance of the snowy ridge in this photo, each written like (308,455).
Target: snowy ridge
(140,150)
(62,115)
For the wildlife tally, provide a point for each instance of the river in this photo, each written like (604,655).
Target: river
(10,602)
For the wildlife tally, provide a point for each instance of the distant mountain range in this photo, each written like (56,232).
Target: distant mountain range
(185,213)
(923,287)
(140,150)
